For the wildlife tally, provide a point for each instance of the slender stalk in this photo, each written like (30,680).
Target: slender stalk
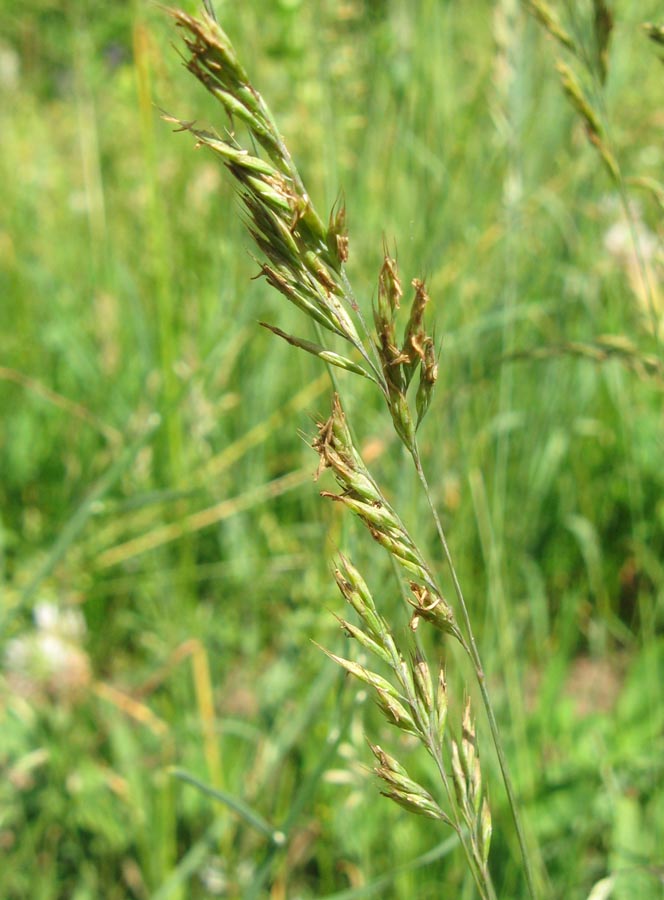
(473,653)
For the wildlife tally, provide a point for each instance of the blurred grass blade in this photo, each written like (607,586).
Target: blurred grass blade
(307,787)
(243,810)
(204,518)
(192,861)
(380,884)
(77,410)
(78,521)
(603,889)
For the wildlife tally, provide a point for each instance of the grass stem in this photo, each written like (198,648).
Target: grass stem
(475,658)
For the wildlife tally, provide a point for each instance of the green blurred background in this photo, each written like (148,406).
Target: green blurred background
(164,555)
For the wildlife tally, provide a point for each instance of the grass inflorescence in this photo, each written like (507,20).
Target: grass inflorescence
(168,569)
(306,265)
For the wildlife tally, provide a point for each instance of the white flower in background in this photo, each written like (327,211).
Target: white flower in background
(214,878)
(638,251)
(67,622)
(10,68)
(48,660)
(619,242)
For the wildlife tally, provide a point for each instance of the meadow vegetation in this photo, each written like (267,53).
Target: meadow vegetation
(165,557)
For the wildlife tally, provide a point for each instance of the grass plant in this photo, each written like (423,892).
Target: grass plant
(306,265)
(164,559)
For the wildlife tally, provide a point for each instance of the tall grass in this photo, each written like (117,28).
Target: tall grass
(551,488)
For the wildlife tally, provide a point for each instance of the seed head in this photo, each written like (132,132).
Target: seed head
(431,607)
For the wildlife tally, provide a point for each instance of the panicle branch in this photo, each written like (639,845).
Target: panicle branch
(361,494)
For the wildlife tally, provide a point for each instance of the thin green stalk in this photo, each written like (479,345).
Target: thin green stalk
(471,648)
(75,525)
